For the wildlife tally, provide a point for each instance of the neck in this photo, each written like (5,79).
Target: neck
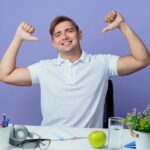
(72,56)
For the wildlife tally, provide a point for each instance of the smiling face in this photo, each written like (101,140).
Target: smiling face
(66,38)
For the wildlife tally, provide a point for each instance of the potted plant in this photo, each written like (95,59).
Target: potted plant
(139,126)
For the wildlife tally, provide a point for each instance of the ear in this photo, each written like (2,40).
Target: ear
(80,35)
(53,43)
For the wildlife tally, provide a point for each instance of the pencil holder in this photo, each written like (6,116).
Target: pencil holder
(4,137)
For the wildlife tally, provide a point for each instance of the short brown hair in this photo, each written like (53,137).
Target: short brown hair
(60,19)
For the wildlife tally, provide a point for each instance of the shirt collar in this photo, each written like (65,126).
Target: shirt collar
(84,58)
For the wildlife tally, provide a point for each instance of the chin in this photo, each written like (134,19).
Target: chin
(68,50)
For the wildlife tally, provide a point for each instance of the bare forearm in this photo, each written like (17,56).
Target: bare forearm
(137,47)
(8,62)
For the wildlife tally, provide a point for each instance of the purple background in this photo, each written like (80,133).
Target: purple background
(22,104)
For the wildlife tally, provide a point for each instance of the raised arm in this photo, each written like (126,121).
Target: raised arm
(9,73)
(139,56)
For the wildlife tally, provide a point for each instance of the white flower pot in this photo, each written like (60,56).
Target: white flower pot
(142,141)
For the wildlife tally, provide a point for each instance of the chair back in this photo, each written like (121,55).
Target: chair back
(109,105)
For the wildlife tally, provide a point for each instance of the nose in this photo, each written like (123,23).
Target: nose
(64,36)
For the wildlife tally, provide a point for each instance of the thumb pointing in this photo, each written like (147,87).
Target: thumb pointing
(105,29)
(33,38)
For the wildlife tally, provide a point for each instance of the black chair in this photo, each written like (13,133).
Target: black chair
(109,105)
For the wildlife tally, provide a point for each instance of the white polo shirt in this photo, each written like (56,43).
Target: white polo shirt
(73,94)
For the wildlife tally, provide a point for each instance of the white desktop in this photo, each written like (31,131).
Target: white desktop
(70,138)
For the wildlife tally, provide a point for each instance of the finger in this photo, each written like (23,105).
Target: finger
(33,38)
(110,18)
(30,29)
(114,12)
(105,29)
(27,28)
(107,20)
(25,25)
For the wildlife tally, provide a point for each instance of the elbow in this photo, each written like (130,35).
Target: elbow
(145,62)
(3,78)
(3,75)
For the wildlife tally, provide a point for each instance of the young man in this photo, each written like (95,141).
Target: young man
(74,85)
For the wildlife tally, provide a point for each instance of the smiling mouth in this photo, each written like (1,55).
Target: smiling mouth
(66,43)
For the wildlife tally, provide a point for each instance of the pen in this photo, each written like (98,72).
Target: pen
(57,136)
(5,121)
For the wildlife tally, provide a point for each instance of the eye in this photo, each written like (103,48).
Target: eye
(57,34)
(70,30)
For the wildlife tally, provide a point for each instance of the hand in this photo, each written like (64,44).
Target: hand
(25,31)
(114,20)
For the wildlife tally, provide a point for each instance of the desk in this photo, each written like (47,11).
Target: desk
(76,144)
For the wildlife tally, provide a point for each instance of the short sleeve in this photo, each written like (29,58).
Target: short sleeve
(112,65)
(109,63)
(34,73)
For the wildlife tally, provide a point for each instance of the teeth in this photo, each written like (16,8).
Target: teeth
(66,43)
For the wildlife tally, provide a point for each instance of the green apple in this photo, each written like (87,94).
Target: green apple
(97,139)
